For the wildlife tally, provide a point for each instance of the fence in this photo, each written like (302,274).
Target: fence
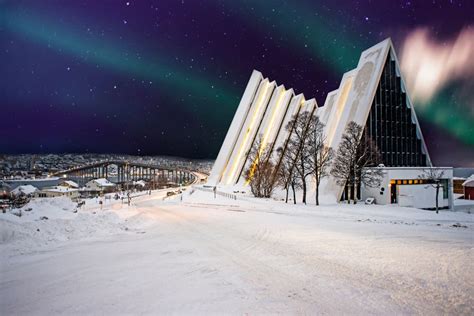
(224,194)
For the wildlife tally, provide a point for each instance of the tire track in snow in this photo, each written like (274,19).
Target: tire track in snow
(274,278)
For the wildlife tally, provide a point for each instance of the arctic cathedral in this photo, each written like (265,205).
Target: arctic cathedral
(372,95)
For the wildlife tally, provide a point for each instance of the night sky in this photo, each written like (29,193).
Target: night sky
(165,77)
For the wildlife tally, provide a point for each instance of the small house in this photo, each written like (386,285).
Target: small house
(69,184)
(468,186)
(58,191)
(27,189)
(102,185)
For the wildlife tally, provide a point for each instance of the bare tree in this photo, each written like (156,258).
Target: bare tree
(298,145)
(355,154)
(260,172)
(320,155)
(286,173)
(368,155)
(434,178)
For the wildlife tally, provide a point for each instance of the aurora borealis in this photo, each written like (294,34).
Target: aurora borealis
(165,77)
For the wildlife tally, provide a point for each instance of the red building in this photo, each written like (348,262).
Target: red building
(469,188)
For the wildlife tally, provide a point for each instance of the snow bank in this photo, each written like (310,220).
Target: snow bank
(50,221)
(339,212)
(206,255)
(54,208)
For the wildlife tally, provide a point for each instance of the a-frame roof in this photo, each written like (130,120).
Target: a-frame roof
(356,104)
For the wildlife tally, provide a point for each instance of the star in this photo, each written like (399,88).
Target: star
(169,61)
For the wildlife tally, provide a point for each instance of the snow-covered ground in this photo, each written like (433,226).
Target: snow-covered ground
(201,255)
(462,205)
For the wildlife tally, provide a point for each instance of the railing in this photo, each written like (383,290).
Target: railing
(224,194)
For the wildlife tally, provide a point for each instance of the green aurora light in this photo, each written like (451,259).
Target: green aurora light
(215,101)
(315,35)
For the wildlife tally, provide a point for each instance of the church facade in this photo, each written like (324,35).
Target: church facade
(372,95)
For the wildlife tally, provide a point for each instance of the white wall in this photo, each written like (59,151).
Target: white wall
(420,196)
(93,185)
(381,197)
(425,197)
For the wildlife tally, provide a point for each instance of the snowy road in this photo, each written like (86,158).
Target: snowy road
(229,258)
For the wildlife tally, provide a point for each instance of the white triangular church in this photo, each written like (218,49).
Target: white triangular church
(373,95)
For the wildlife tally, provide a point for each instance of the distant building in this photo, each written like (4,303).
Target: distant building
(469,188)
(24,189)
(69,184)
(36,182)
(58,191)
(102,185)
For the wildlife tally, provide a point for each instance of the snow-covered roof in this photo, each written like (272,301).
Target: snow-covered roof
(70,183)
(469,182)
(104,182)
(32,179)
(25,189)
(60,189)
(140,183)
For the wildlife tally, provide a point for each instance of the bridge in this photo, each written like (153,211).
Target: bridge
(121,171)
